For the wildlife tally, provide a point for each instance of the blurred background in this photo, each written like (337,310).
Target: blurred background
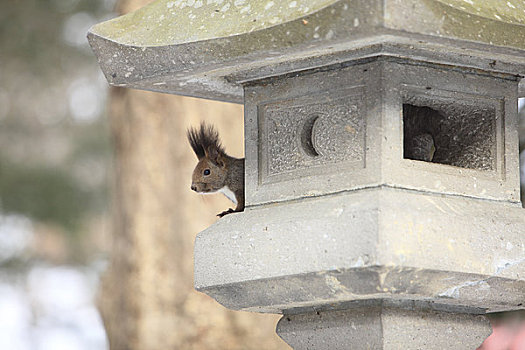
(55,156)
(65,139)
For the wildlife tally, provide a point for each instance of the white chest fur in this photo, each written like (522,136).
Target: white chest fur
(229,194)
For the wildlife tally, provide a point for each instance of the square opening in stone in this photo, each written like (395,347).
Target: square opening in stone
(447,132)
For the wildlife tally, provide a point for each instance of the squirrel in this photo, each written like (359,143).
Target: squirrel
(216,171)
(421,126)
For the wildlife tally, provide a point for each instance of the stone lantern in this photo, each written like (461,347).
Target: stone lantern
(356,240)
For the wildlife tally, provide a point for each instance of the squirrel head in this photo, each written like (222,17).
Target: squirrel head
(211,170)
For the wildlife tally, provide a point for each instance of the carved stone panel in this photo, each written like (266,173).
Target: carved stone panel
(303,136)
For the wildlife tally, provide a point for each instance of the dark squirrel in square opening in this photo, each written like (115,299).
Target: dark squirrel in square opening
(454,134)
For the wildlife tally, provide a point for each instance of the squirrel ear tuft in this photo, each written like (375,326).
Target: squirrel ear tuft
(195,139)
(205,142)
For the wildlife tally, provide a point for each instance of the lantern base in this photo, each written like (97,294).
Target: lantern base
(384,326)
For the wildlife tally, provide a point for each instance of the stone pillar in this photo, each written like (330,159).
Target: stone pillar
(380,325)
(382,178)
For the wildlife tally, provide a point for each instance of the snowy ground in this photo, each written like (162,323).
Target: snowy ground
(45,307)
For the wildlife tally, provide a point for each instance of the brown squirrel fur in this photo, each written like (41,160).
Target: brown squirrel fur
(216,171)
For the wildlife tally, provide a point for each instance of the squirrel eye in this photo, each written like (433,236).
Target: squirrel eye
(206,172)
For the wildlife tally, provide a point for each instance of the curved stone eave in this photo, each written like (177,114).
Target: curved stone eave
(212,68)
(223,80)
(176,22)
(199,68)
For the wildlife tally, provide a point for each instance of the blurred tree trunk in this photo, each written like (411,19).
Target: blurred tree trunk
(147,298)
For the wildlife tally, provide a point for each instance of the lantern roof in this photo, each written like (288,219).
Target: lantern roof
(209,48)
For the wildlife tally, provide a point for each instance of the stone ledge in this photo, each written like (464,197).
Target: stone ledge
(340,289)
(449,250)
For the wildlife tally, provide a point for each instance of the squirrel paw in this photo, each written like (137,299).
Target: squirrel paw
(229,211)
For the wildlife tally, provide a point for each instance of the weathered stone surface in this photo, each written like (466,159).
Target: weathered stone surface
(331,91)
(379,325)
(314,131)
(511,11)
(341,128)
(175,22)
(372,244)
(168,22)
(208,50)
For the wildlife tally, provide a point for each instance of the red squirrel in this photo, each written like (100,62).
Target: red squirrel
(216,171)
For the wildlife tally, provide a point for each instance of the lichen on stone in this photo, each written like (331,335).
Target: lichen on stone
(170,22)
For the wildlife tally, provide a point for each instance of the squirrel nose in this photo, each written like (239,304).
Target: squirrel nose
(193,187)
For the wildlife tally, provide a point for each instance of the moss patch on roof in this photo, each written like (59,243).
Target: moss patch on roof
(508,11)
(169,22)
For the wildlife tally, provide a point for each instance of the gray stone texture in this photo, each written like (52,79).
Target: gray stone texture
(203,49)
(380,326)
(353,116)
(370,244)
(359,244)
